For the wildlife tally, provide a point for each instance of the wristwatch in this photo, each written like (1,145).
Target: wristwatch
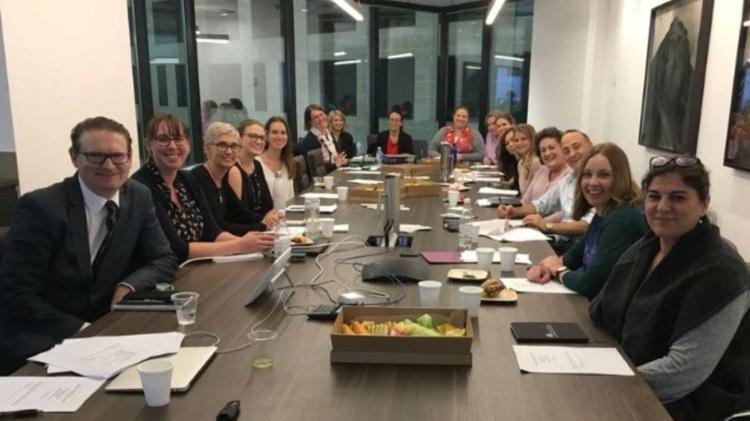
(548,227)
(561,271)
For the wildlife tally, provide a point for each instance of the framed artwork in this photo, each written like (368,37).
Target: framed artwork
(675,72)
(737,148)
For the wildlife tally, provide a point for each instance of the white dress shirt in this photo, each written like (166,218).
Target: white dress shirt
(96,217)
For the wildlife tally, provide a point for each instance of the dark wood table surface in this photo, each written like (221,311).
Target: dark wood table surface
(303,384)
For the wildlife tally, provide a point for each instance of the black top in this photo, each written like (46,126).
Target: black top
(193,222)
(345,143)
(256,195)
(227,209)
(405,144)
(508,164)
(647,310)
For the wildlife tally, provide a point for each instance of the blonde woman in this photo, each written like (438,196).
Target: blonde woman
(523,148)
(342,139)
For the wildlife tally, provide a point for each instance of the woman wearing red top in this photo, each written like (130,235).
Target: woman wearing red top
(393,141)
(468,141)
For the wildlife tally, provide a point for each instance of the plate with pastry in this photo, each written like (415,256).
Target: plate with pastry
(495,292)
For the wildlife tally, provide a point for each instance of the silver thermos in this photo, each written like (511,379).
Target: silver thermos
(392,206)
(446,163)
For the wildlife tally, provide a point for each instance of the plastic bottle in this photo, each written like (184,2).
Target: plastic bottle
(379,156)
(281,238)
(465,242)
(312,217)
(454,156)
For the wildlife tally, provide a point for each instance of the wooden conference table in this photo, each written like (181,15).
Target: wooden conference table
(303,384)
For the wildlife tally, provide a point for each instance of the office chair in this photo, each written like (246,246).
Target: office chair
(302,177)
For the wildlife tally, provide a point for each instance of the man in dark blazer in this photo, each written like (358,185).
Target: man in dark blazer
(77,247)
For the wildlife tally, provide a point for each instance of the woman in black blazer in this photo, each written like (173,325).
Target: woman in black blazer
(395,132)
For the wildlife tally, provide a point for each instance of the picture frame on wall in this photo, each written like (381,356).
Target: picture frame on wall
(675,74)
(737,146)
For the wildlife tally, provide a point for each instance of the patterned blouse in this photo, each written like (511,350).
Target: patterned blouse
(187,218)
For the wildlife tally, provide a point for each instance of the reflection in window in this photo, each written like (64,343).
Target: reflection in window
(465,61)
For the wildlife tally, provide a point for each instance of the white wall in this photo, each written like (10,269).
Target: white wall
(65,61)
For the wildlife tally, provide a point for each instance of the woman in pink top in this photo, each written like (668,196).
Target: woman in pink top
(502,122)
(523,148)
(554,169)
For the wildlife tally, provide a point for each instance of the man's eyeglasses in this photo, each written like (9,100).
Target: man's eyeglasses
(164,140)
(680,161)
(255,137)
(98,158)
(223,146)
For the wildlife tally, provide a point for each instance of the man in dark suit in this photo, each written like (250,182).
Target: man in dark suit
(77,247)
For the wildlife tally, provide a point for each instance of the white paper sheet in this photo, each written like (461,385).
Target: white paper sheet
(470,256)
(571,360)
(363,172)
(483,203)
(102,357)
(501,192)
(294,222)
(519,235)
(322,208)
(412,228)
(364,181)
(321,195)
(483,179)
(341,228)
(47,394)
(487,173)
(524,285)
(374,206)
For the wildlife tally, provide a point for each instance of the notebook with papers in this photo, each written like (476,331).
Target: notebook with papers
(188,363)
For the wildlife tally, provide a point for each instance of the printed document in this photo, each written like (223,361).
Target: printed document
(470,256)
(47,394)
(524,285)
(571,360)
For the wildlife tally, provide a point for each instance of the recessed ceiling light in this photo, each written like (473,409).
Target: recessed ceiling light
(493,12)
(351,8)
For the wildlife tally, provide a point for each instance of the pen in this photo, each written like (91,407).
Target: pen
(23,413)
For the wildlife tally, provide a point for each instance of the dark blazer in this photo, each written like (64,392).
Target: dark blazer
(345,143)
(405,144)
(47,288)
(310,142)
(226,208)
(211,228)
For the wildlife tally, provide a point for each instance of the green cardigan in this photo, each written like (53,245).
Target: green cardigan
(620,228)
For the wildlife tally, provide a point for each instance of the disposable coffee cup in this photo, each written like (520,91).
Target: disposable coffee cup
(328,182)
(429,293)
(471,297)
(326,227)
(343,193)
(453,198)
(507,258)
(156,378)
(484,258)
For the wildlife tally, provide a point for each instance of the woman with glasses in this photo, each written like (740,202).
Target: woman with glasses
(342,140)
(278,163)
(606,185)
(395,140)
(319,137)
(181,206)
(677,300)
(247,179)
(468,141)
(221,147)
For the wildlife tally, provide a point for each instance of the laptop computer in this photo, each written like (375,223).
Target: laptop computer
(188,363)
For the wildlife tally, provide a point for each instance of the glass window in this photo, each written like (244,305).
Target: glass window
(240,60)
(510,59)
(331,54)
(407,69)
(465,61)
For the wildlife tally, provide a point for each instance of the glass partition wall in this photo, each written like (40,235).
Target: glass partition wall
(259,58)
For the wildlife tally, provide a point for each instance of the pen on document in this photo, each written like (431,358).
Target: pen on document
(23,413)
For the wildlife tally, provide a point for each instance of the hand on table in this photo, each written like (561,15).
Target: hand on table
(538,274)
(534,221)
(271,218)
(120,292)
(504,211)
(256,241)
(552,263)
(341,160)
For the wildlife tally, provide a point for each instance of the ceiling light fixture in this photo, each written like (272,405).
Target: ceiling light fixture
(404,55)
(351,8)
(511,58)
(339,53)
(494,11)
(343,62)
(212,38)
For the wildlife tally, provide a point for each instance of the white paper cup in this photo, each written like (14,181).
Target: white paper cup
(471,297)
(453,198)
(187,307)
(326,227)
(156,378)
(429,293)
(507,258)
(343,193)
(328,182)
(484,258)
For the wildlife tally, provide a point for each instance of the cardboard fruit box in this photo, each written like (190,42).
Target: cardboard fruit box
(411,169)
(409,188)
(430,350)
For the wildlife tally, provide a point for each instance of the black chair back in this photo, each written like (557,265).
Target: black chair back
(315,165)
(302,177)
(420,148)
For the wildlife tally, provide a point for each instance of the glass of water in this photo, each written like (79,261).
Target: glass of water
(186,304)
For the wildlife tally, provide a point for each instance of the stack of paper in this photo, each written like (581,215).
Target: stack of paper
(364,181)
(374,206)
(322,208)
(47,394)
(101,357)
(412,228)
(501,192)
(524,285)
(470,256)
(571,360)
(364,172)
(321,195)
(297,230)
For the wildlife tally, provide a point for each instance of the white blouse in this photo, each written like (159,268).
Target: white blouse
(279,183)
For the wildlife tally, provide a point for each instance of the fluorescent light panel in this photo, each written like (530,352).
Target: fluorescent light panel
(165,60)
(474,67)
(339,53)
(351,8)
(212,38)
(494,11)
(511,58)
(343,62)
(404,55)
